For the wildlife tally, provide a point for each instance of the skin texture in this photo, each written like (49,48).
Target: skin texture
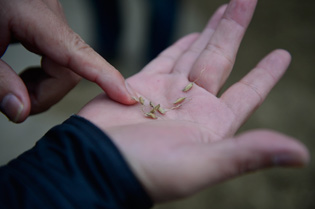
(41,27)
(194,146)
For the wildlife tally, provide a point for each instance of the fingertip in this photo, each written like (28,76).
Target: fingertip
(13,108)
(284,54)
(122,94)
(132,93)
(222,8)
(191,37)
(117,89)
(296,159)
(277,59)
(14,98)
(218,14)
(293,154)
(276,149)
(241,11)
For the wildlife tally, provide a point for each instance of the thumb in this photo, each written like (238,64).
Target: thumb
(255,150)
(14,98)
(202,165)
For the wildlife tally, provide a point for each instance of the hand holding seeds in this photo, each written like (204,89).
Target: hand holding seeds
(179,137)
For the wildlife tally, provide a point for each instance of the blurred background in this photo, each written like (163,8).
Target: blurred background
(288,24)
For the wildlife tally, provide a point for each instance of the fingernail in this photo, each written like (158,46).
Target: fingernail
(288,160)
(12,107)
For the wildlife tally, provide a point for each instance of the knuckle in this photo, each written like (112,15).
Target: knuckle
(254,89)
(228,61)
(80,45)
(77,47)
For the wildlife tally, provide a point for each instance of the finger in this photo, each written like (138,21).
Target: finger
(227,159)
(186,61)
(48,35)
(216,61)
(200,165)
(48,85)
(252,151)
(248,94)
(14,100)
(166,60)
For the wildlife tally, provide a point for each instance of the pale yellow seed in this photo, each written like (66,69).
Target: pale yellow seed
(155,108)
(179,100)
(161,110)
(150,115)
(135,99)
(188,87)
(141,100)
(176,107)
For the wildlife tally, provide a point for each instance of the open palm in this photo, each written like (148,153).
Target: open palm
(182,150)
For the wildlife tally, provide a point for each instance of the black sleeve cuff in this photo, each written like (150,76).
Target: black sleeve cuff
(75,165)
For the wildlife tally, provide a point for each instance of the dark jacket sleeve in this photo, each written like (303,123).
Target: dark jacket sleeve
(75,165)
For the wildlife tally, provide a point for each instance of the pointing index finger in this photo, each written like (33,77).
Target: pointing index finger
(47,34)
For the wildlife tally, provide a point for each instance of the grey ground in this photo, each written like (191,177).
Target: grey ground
(288,24)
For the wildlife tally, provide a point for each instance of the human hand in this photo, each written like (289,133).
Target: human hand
(41,27)
(193,146)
